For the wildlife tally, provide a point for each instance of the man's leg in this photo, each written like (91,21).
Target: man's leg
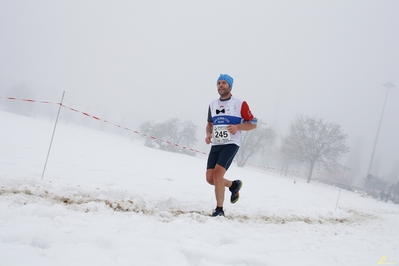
(216,177)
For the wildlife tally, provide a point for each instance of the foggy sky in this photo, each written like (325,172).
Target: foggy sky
(154,60)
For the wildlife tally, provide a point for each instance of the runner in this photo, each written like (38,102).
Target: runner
(228,116)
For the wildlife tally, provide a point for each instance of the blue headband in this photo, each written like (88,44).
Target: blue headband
(226,78)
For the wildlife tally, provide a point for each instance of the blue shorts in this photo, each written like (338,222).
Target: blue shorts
(222,155)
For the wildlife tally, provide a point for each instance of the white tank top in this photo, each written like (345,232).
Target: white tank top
(226,113)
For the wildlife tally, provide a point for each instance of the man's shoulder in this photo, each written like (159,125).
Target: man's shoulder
(216,100)
(237,100)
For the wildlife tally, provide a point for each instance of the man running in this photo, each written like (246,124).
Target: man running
(228,116)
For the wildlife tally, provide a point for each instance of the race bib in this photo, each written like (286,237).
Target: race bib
(221,134)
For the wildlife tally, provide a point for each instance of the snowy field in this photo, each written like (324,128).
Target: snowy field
(108,200)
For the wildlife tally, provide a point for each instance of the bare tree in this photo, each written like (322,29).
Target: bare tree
(187,136)
(147,128)
(255,141)
(315,142)
(171,135)
(288,155)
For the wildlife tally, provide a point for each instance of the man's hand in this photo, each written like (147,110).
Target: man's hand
(232,129)
(208,130)
(208,139)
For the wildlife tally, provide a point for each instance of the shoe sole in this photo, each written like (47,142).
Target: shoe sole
(237,194)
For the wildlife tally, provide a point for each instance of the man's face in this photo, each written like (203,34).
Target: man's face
(223,88)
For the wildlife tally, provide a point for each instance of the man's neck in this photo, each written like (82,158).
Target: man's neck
(226,98)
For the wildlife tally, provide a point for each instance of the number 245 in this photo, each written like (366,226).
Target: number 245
(221,134)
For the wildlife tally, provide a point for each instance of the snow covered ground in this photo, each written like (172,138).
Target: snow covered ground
(108,200)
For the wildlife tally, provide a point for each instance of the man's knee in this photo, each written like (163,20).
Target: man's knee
(209,176)
(218,173)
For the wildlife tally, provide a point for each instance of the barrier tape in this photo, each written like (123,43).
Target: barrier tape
(28,100)
(167,142)
(134,131)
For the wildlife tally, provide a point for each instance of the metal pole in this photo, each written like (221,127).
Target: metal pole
(52,137)
(388,86)
(339,194)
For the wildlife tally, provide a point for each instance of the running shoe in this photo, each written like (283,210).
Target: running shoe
(217,213)
(235,195)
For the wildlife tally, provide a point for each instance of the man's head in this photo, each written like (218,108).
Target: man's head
(226,78)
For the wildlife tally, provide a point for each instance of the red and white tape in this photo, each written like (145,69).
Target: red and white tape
(28,100)
(164,141)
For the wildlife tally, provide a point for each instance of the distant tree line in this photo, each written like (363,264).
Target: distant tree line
(172,135)
(379,188)
(310,141)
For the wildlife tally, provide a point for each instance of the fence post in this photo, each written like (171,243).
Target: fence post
(339,194)
(52,137)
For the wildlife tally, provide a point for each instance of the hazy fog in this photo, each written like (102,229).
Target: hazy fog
(154,60)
